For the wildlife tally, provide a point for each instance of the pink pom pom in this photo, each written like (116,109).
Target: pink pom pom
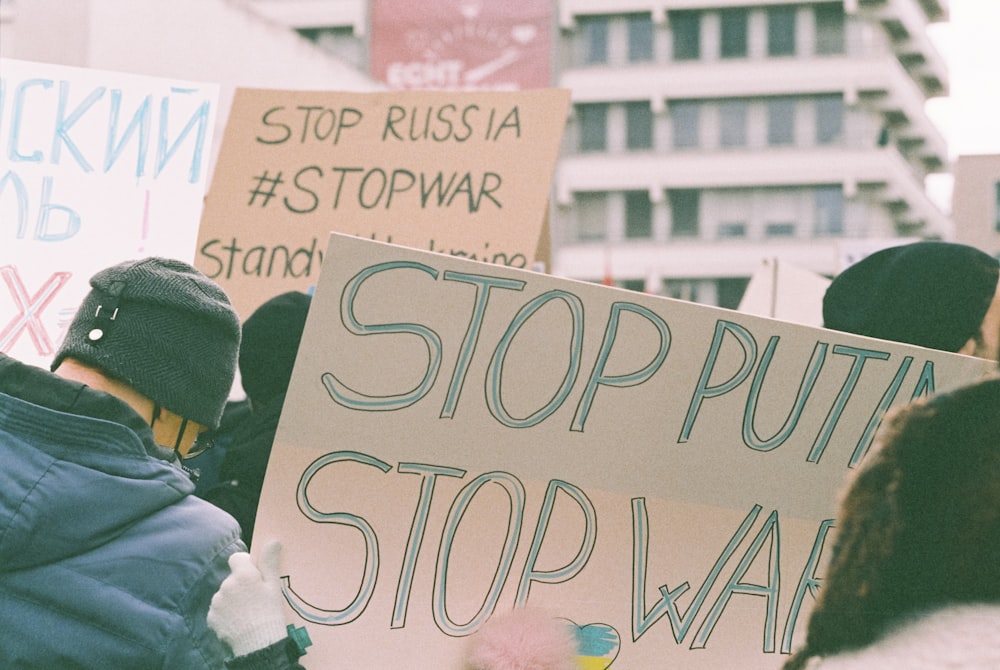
(522,639)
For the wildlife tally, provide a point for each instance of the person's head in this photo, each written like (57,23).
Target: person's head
(164,333)
(937,295)
(271,338)
(919,525)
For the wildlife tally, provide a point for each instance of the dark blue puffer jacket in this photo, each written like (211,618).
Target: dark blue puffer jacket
(107,560)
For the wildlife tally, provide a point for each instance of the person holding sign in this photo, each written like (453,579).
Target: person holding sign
(914,579)
(107,560)
(267,354)
(938,295)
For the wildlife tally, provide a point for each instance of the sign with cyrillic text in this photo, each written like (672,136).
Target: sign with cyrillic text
(463,174)
(462,438)
(97,167)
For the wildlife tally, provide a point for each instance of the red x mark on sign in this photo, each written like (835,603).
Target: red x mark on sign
(30,309)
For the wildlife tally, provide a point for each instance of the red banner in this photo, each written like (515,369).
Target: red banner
(462,45)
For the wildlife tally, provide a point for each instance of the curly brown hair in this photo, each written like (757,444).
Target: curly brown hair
(919,525)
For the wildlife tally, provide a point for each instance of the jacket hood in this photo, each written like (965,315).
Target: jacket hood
(79,468)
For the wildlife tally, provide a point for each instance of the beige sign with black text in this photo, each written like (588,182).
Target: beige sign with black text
(463,174)
(462,438)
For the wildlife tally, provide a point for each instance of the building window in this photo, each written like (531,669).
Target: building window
(638,125)
(779,230)
(591,215)
(593,126)
(681,289)
(685,27)
(829,119)
(733,123)
(829,202)
(730,291)
(829,28)
(781,121)
(734,32)
(637,285)
(640,38)
(781,30)
(638,215)
(684,212)
(732,230)
(595,38)
(684,116)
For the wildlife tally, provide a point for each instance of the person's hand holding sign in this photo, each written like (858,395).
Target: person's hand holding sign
(246,612)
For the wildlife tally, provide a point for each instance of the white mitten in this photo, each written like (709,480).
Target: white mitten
(247,611)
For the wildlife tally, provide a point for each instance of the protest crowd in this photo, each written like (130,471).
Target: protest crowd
(95,491)
(135,463)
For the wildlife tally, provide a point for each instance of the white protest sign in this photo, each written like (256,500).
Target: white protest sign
(784,291)
(97,167)
(460,438)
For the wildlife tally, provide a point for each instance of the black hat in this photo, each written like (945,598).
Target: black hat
(270,342)
(163,328)
(931,294)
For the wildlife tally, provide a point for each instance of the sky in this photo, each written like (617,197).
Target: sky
(970,44)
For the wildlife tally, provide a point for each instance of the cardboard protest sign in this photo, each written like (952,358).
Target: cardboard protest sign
(98,167)
(462,438)
(465,174)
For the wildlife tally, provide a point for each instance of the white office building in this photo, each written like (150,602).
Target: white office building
(708,135)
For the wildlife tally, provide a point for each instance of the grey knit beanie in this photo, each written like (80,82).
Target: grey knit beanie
(163,328)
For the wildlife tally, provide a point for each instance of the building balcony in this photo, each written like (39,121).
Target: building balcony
(882,172)
(905,21)
(881,84)
(934,10)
